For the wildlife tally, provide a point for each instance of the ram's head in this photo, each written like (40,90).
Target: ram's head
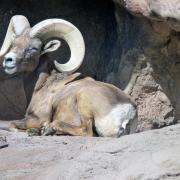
(24,45)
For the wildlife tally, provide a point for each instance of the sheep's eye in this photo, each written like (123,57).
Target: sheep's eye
(32,49)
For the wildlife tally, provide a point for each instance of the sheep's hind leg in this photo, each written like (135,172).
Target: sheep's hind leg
(62,128)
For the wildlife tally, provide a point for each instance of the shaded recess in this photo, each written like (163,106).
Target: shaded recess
(95,19)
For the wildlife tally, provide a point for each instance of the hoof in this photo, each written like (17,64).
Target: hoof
(121,132)
(46,131)
(33,132)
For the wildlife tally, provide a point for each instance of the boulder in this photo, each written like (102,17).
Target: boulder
(3,142)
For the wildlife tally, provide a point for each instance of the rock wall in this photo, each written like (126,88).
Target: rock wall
(150,63)
(135,53)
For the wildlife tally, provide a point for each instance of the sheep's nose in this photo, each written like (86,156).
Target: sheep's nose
(8,60)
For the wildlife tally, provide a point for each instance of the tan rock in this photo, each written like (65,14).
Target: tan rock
(149,155)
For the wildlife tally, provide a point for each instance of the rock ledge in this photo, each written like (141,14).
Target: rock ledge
(145,156)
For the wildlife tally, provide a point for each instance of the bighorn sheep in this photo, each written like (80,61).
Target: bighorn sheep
(63,103)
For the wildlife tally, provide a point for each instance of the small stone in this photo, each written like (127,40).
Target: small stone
(3,142)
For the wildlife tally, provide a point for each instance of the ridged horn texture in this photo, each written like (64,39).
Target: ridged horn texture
(16,27)
(52,28)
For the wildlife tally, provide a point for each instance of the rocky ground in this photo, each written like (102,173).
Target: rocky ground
(150,155)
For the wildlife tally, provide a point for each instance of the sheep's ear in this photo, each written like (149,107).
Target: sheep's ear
(51,46)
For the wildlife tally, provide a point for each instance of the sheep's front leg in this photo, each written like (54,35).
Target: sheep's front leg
(33,131)
(31,126)
(18,125)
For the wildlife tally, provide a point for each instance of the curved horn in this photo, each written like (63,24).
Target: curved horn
(63,29)
(16,27)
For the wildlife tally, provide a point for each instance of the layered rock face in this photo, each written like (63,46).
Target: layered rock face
(131,43)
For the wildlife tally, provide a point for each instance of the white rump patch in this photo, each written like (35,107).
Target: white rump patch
(114,122)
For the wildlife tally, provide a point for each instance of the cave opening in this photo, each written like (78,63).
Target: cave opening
(98,24)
